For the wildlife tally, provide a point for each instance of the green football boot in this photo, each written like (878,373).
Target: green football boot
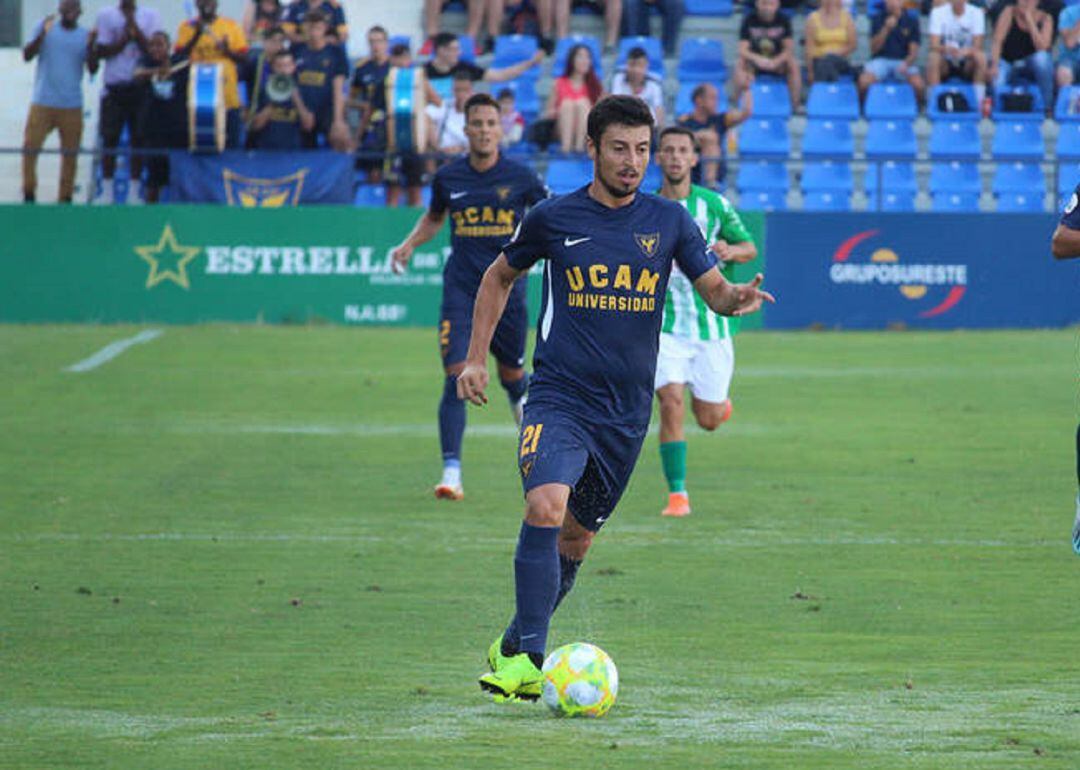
(495,657)
(515,677)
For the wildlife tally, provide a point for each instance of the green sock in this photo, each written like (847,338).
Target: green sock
(673,458)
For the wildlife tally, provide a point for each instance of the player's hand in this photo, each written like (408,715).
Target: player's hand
(399,258)
(471,383)
(722,250)
(749,298)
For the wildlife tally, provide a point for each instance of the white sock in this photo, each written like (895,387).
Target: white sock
(451,476)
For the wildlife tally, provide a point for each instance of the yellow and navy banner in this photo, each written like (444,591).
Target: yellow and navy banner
(261,179)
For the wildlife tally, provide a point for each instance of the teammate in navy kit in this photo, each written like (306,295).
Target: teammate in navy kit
(609,252)
(486,196)
(1066,244)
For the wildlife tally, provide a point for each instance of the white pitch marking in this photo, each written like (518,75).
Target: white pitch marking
(112,350)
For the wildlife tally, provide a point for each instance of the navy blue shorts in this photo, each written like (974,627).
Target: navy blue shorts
(455,326)
(594,460)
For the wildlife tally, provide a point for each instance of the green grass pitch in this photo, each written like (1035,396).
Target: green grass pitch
(220,550)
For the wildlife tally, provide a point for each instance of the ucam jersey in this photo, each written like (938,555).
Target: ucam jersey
(685,312)
(605,275)
(1070,217)
(485,209)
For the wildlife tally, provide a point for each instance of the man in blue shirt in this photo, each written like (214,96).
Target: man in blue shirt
(486,196)
(64,49)
(296,12)
(609,251)
(894,46)
(279,122)
(321,70)
(1065,245)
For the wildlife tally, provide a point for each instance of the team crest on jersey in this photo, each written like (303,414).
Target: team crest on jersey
(526,467)
(502,192)
(649,243)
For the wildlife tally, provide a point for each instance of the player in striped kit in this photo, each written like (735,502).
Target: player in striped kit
(695,343)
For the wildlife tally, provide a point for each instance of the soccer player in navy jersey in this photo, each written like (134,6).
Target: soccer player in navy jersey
(486,196)
(609,251)
(1066,244)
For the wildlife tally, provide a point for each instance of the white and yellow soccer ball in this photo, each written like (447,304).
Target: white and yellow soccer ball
(580,680)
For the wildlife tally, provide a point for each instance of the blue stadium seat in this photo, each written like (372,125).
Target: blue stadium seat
(1068,176)
(562,50)
(652,47)
(370,195)
(1067,105)
(826,200)
(1021,139)
(763,175)
(968,90)
(1018,177)
(955,202)
(568,174)
(891,139)
(468,47)
(525,97)
(902,200)
(839,101)
(762,200)
(512,49)
(827,175)
(955,176)
(890,100)
(701,59)
(1035,114)
(759,137)
(896,176)
(955,139)
(1019,202)
(684,101)
(1068,141)
(709,7)
(827,137)
(653,178)
(771,98)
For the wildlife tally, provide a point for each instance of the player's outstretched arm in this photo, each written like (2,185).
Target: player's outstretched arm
(487,310)
(1065,243)
(426,228)
(731,299)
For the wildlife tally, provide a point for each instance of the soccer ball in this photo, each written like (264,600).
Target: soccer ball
(580,680)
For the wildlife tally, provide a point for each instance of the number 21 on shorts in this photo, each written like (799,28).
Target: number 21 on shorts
(530,437)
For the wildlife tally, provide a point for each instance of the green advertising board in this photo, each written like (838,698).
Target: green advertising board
(187,264)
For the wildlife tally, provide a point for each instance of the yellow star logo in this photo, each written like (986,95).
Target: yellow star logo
(167,250)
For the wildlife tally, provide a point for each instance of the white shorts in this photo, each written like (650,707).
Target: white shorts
(706,366)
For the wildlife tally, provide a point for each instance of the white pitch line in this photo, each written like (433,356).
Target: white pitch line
(112,350)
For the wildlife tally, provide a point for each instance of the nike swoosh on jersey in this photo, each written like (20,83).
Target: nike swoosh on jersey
(575,241)
(455,195)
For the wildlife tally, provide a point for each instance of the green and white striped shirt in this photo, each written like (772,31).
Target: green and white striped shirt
(685,312)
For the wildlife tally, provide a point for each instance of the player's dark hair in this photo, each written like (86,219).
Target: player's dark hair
(480,100)
(442,40)
(637,52)
(617,111)
(679,131)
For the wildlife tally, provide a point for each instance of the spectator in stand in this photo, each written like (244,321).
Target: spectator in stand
(404,169)
(479,11)
(258,68)
(1023,37)
(572,96)
(337,32)
(636,80)
(956,31)
(446,132)
(447,63)
(281,121)
(321,70)
(214,39)
(513,122)
(710,126)
(894,47)
(1068,66)
(261,19)
(123,32)
(367,94)
(611,9)
(636,20)
(767,47)
(830,41)
(63,50)
(163,117)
